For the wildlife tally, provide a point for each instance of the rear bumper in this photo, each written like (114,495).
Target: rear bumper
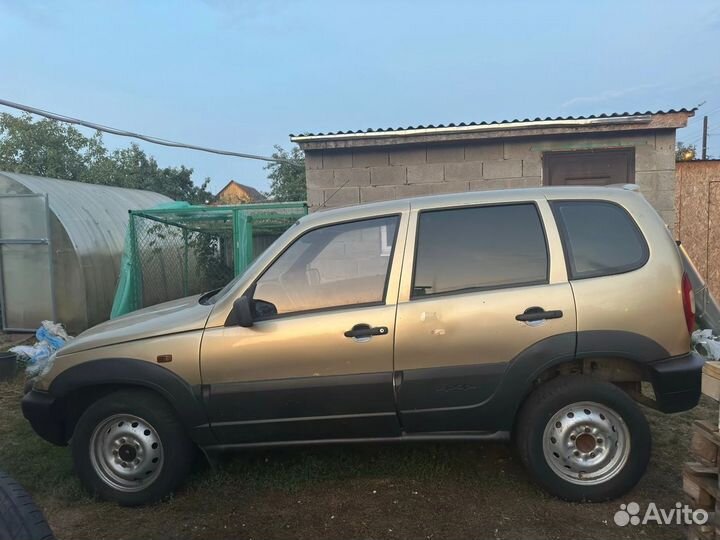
(676,382)
(45,416)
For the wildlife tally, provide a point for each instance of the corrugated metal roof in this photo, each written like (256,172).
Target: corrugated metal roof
(95,216)
(498,122)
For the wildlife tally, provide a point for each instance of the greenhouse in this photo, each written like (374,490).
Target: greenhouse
(60,249)
(178,249)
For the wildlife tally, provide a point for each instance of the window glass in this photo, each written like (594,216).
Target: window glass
(479,248)
(338,265)
(600,238)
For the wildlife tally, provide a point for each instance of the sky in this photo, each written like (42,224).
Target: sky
(242,76)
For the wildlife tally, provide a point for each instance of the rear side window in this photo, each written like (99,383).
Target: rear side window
(599,238)
(479,248)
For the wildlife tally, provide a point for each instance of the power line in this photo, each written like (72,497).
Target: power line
(146,138)
(713,111)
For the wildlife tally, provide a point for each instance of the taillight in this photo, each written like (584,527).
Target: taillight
(688,299)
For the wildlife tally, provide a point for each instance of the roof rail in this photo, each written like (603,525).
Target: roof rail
(627,187)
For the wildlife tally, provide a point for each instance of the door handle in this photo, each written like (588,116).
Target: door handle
(536,313)
(366,331)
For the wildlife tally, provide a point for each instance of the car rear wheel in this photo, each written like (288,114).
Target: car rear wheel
(583,439)
(130,448)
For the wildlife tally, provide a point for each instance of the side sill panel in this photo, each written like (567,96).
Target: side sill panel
(499,436)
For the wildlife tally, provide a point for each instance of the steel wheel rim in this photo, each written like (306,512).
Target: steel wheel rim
(126,452)
(586,443)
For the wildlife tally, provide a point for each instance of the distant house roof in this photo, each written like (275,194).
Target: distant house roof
(670,119)
(234,191)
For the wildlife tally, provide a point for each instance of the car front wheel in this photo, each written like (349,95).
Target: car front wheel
(583,439)
(130,448)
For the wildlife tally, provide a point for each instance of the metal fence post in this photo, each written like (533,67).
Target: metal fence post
(186,268)
(248,241)
(136,271)
(240,224)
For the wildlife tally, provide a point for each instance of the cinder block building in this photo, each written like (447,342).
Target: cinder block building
(345,168)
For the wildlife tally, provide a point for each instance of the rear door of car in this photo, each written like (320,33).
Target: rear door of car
(483,285)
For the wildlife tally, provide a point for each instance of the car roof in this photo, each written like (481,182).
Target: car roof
(356,211)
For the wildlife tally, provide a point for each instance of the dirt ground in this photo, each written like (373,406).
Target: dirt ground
(452,490)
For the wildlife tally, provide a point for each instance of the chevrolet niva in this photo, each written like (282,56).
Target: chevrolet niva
(531,315)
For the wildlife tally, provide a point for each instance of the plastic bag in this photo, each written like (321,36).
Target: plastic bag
(39,358)
(53,333)
(706,344)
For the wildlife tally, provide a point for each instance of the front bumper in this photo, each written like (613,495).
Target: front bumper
(45,414)
(677,381)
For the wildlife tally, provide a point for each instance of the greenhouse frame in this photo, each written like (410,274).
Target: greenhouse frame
(61,244)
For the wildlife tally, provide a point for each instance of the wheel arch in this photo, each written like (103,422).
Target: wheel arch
(83,384)
(623,370)
(616,356)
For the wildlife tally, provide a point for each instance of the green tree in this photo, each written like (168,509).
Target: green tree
(685,152)
(131,167)
(44,148)
(287,179)
(58,150)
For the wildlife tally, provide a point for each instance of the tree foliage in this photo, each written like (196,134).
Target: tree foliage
(59,150)
(685,152)
(287,180)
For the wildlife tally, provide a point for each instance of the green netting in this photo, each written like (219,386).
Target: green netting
(177,249)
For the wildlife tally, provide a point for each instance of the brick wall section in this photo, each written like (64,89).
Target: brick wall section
(340,177)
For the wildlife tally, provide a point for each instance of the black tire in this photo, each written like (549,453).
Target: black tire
(550,398)
(20,519)
(178,450)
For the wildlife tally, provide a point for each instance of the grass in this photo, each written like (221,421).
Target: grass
(364,491)
(40,466)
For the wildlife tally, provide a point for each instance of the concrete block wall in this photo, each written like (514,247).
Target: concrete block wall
(341,177)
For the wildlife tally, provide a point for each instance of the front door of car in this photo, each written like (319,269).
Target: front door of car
(485,293)
(317,363)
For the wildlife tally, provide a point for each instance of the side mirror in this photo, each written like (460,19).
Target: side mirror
(242,314)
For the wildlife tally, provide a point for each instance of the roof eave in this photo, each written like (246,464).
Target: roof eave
(672,120)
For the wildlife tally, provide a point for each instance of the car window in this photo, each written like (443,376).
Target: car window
(479,248)
(338,265)
(599,238)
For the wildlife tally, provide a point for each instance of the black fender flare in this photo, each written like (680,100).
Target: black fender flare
(527,366)
(184,398)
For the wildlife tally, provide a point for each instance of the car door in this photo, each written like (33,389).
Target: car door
(317,362)
(488,292)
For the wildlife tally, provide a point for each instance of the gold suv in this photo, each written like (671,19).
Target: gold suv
(526,314)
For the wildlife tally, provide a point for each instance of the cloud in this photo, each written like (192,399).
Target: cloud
(607,95)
